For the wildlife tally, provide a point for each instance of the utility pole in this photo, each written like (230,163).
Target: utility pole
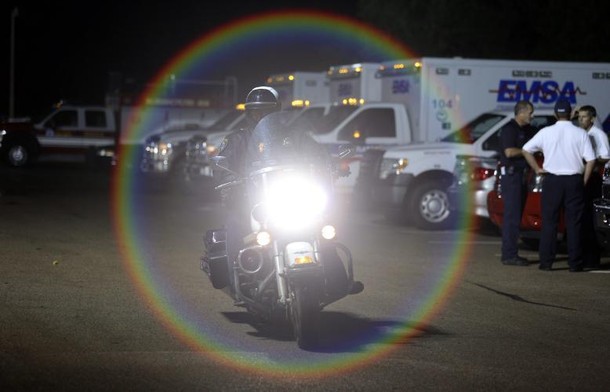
(11,100)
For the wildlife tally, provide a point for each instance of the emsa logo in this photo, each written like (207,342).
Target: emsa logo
(537,92)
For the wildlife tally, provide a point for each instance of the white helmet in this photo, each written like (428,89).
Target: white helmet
(263,97)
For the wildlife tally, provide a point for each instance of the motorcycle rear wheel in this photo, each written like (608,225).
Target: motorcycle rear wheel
(305,315)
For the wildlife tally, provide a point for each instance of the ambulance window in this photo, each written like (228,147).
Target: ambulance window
(370,123)
(95,118)
(64,118)
(538,122)
(476,128)
(493,142)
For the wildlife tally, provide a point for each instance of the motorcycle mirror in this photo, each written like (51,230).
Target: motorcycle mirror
(219,162)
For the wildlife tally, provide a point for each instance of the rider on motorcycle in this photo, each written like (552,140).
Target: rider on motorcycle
(260,102)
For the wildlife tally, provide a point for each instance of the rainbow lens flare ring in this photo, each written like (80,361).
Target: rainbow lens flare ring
(205,53)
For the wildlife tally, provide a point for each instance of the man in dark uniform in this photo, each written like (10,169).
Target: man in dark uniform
(260,102)
(512,137)
(566,148)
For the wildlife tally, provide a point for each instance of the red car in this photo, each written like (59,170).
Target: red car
(531,220)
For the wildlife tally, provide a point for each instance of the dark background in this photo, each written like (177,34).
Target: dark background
(66,50)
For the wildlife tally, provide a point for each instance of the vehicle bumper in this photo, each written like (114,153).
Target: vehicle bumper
(389,193)
(478,197)
(203,170)
(601,210)
(155,166)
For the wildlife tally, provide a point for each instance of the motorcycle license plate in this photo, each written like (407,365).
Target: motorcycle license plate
(299,253)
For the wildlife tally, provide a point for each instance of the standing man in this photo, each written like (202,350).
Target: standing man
(565,147)
(593,189)
(512,138)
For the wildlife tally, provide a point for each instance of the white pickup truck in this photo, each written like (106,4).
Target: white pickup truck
(68,130)
(411,182)
(164,152)
(87,131)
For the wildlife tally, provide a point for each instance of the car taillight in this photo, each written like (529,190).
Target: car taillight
(606,173)
(481,173)
(535,183)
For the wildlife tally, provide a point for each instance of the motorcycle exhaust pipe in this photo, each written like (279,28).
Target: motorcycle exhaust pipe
(250,260)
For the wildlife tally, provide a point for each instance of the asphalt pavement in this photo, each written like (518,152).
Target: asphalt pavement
(95,297)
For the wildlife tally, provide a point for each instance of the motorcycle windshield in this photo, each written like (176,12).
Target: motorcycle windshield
(276,141)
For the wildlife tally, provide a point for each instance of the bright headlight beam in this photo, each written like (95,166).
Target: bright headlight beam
(329,232)
(295,202)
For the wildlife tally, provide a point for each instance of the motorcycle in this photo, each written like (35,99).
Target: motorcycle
(290,265)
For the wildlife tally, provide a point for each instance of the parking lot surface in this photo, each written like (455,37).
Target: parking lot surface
(97,297)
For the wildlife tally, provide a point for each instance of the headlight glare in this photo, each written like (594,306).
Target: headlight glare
(329,232)
(294,203)
(263,238)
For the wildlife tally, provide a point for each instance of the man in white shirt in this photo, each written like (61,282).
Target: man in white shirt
(565,147)
(591,248)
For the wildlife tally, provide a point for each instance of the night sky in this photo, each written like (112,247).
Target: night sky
(66,50)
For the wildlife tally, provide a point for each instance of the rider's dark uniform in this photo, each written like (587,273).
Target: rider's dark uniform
(233,198)
(242,155)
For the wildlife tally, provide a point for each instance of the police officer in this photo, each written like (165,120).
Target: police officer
(565,147)
(512,137)
(601,147)
(260,102)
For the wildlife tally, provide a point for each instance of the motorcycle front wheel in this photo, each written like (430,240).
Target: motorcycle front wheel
(305,316)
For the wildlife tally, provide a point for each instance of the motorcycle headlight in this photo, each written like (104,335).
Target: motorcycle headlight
(263,238)
(294,203)
(329,232)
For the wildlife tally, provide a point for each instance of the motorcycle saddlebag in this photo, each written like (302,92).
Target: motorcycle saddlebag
(214,263)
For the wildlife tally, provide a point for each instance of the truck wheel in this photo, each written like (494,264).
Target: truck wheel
(18,155)
(429,206)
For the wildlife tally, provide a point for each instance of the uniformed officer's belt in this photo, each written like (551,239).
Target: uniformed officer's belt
(506,169)
(563,175)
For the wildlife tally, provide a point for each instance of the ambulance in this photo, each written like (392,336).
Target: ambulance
(445,107)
